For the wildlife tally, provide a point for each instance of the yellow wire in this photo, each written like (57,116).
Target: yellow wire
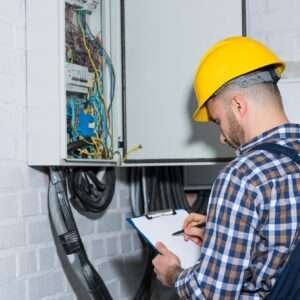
(87,48)
(97,144)
(96,73)
(133,149)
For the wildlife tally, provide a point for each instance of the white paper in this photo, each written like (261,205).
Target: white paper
(161,229)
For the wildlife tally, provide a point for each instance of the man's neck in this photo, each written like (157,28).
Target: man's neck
(262,127)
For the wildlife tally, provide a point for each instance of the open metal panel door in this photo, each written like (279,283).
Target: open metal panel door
(163,42)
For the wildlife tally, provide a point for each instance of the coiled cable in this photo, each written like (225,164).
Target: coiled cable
(91,190)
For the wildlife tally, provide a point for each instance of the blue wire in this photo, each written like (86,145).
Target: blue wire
(101,121)
(108,61)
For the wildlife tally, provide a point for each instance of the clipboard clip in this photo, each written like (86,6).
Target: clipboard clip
(160,213)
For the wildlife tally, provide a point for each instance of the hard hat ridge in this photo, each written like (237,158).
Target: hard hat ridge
(266,75)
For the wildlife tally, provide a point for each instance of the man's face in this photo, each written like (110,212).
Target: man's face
(221,113)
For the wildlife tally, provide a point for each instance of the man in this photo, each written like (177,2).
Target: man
(252,217)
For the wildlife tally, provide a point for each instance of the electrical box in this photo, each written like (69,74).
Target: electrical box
(109,82)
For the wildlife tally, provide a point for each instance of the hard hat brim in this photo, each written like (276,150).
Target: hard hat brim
(201,114)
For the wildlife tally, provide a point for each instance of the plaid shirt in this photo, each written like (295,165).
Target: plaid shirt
(251,223)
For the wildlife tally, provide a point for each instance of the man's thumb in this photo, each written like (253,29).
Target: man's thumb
(162,249)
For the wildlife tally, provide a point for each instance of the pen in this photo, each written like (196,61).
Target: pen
(201,225)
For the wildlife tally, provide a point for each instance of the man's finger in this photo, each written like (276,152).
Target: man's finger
(196,240)
(154,260)
(194,231)
(193,219)
(162,249)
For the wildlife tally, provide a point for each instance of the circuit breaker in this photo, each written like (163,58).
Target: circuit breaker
(110,82)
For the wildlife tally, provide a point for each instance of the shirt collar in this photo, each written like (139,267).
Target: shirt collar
(283,132)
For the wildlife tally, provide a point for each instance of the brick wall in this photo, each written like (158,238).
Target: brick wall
(276,23)
(29,265)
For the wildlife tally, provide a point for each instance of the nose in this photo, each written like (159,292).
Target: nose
(222,139)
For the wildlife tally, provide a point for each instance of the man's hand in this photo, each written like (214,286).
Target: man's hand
(166,265)
(190,231)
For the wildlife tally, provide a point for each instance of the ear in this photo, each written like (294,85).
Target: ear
(239,106)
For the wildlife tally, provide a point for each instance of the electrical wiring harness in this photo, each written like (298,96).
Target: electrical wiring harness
(89,112)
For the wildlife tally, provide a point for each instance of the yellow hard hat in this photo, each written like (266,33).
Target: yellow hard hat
(226,60)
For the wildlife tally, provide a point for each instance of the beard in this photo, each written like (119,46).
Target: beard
(236,134)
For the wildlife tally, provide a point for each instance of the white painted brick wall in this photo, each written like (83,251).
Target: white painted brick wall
(12,235)
(44,285)
(46,258)
(8,267)
(26,263)
(276,23)
(8,206)
(29,266)
(30,204)
(13,289)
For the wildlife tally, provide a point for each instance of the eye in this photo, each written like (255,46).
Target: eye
(216,121)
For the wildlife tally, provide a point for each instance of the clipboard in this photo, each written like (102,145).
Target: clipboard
(159,226)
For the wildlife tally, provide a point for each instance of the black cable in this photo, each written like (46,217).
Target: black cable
(178,189)
(174,191)
(62,219)
(201,202)
(165,191)
(172,203)
(144,290)
(153,187)
(163,199)
(88,193)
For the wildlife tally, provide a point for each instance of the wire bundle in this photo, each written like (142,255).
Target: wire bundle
(85,49)
(153,189)
(88,192)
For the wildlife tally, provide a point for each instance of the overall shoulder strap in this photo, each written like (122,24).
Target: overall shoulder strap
(275,148)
